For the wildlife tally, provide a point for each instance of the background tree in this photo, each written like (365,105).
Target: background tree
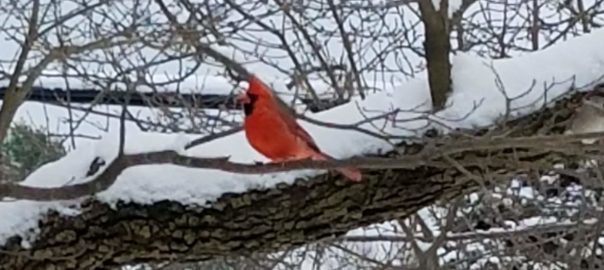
(26,149)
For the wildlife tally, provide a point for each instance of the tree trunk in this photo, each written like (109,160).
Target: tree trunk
(437,47)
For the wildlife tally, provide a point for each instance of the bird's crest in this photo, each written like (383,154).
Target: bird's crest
(257,87)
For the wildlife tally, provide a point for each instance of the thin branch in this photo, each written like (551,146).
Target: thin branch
(14,95)
(211,137)
(495,234)
(347,47)
(194,41)
(429,157)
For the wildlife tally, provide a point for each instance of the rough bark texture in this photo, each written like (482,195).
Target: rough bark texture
(237,223)
(437,47)
(269,220)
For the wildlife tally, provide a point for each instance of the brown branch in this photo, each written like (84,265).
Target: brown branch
(109,175)
(14,95)
(212,137)
(428,158)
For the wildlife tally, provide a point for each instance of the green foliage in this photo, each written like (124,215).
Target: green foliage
(25,149)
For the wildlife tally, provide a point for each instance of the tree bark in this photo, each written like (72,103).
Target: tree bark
(271,220)
(437,47)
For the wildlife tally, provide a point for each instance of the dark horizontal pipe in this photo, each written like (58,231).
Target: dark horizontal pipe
(59,95)
(147,99)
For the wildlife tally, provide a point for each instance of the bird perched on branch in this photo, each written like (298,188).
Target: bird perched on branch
(271,128)
(589,117)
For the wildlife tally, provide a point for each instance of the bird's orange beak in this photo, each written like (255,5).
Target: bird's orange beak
(242,98)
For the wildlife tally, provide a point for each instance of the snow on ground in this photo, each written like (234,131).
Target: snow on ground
(473,81)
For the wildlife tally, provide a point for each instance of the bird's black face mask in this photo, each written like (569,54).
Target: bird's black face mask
(247,100)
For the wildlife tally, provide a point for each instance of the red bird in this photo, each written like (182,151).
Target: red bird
(271,128)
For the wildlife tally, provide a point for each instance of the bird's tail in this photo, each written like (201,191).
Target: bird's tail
(352,173)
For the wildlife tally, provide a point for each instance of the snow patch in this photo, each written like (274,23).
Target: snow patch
(454,5)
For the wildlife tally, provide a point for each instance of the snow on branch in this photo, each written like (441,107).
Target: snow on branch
(432,155)
(261,220)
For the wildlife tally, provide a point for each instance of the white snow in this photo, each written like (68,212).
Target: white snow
(578,62)
(529,81)
(454,5)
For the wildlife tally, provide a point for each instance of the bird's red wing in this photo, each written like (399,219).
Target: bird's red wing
(306,137)
(285,112)
(290,120)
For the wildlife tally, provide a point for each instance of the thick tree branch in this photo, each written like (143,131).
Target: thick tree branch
(263,220)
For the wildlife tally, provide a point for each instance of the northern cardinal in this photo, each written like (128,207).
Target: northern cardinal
(271,128)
